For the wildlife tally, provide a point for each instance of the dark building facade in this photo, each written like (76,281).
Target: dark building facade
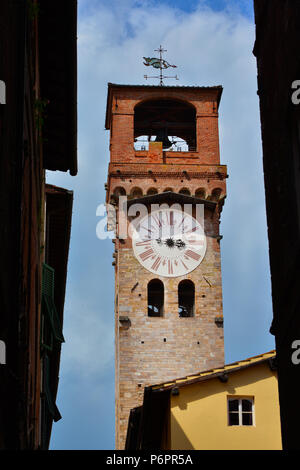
(37,132)
(278,62)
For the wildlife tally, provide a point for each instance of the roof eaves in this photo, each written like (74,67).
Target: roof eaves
(58,84)
(119,85)
(214,373)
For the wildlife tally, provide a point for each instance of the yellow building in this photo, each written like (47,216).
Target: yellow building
(235,407)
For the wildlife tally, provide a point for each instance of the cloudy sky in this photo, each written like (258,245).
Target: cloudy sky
(211,42)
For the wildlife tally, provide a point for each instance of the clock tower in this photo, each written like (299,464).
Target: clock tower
(167,186)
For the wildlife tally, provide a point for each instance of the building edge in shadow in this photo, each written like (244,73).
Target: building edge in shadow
(278,62)
(38,131)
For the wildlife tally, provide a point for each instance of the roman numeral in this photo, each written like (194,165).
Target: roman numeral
(146,254)
(192,254)
(156,263)
(171,218)
(184,264)
(196,242)
(157,220)
(143,243)
(170,267)
(147,229)
(194,229)
(182,220)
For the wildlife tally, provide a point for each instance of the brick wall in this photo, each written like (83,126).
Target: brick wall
(155,349)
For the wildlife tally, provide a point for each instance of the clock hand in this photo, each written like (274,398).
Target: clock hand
(170,242)
(180,243)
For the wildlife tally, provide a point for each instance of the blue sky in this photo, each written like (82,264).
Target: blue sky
(211,42)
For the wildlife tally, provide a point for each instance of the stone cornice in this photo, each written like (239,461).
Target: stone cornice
(167,174)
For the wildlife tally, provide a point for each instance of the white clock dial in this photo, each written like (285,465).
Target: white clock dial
(169,242)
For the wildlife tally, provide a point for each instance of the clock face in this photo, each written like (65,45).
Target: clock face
(169,242)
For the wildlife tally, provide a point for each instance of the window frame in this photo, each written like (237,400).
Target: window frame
(240,411)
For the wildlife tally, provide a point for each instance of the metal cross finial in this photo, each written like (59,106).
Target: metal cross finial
(160,50)
(159,64)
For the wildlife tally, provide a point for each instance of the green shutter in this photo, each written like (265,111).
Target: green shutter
(46,329)
(48,281)
(48,307)
(52,408)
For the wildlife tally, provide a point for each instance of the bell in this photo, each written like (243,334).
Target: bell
(162,136)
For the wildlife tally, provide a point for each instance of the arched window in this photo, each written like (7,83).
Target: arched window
(216,193)
(172,122)
(201,193)
(151,191)
(118,191)
(185,191)
(186,298)
(155,298)
(136,192)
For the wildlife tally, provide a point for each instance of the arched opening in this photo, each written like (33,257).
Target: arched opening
(186,298)
(171,122)
(151,191)
(216,193)
(185,191)
(118,191)
(155,298)
(200,193)
(135,193)
(167,190)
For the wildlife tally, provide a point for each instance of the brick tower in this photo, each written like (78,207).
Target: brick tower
(164,149)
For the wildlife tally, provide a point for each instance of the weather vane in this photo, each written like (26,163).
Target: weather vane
(159,64)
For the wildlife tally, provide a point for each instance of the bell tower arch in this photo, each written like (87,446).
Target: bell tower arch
(164,152)
(170,121)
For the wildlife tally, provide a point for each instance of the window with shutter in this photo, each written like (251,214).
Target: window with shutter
(49,410)
(52,408)
(51,330)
